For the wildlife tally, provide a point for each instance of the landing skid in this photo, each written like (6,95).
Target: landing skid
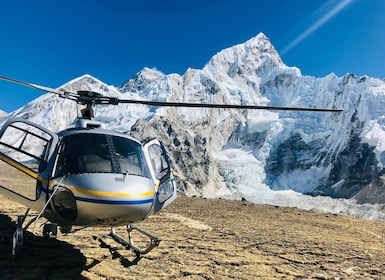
(18,236)
(153,242)
(49,231)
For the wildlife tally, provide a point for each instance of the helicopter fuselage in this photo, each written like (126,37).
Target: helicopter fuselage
(88,175)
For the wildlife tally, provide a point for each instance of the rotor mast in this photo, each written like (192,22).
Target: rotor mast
(87,98)
(88,112)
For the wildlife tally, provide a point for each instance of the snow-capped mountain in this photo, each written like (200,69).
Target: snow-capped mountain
(271,157)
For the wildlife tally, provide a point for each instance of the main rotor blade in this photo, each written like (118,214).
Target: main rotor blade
(43,88)
(96,98)
(225,106)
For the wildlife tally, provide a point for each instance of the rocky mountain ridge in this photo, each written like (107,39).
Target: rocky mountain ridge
(238,153)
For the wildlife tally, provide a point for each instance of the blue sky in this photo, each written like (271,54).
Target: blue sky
(51,42)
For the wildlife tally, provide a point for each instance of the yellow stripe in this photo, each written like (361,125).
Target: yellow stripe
(22,168)
(111,194)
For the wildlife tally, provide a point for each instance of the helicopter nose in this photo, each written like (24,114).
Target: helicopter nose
(111,199)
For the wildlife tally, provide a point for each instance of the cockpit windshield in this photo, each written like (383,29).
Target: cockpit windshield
(99,153)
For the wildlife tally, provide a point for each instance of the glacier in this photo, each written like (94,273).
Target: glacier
(330,162)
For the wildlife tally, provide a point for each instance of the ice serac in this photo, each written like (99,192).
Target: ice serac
(264,156)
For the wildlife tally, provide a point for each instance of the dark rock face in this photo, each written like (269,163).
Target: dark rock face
(357,167)
(291,154)
(188,153)
(241,137)
(355,172)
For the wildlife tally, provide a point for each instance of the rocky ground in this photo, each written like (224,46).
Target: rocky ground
(207,239)
(201,239)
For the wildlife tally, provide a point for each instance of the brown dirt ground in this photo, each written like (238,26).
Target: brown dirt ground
(206,239)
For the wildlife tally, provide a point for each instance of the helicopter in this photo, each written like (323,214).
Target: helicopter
(90,176)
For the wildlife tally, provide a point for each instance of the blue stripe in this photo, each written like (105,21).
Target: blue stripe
(116,202)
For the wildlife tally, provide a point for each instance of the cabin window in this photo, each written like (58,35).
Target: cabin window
(159,161)
(25,147)
(98,153)
(26,144)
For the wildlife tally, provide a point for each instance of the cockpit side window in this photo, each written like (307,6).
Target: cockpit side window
(159,161)
(98,153)
(27,144)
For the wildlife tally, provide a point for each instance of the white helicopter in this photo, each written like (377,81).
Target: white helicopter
(89,176)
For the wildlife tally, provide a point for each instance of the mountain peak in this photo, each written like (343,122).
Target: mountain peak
(88,82)
(86,78)
(141,80)
(256,55)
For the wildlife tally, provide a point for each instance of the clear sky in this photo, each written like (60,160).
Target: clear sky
(51,42)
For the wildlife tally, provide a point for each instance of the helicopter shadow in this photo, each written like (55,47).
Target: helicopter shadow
(38,257)
(124,261)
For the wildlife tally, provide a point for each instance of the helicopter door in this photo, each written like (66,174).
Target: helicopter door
(161,174)
(27,147)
